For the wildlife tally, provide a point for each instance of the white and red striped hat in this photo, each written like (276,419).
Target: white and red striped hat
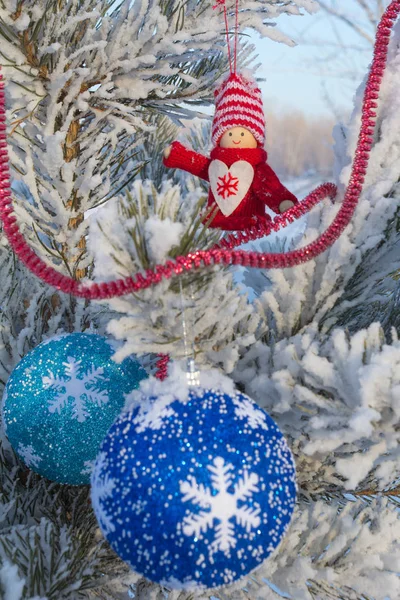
(238,103)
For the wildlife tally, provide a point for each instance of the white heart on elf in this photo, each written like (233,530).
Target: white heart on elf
(230,186)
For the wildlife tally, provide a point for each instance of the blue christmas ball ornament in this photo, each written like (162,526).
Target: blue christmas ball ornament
(60,401)
(194,492)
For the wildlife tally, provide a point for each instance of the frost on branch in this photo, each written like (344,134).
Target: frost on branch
(338,399)
(32,311)
(130,236)
(358,271)
(45,530)
(338,553)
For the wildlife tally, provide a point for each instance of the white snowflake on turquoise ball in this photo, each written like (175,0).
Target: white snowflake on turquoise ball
(75,386)
(194,490)
(61,399)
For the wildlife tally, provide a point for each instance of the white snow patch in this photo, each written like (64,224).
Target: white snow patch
(22,22)
(161,236)
(176,386)
(10,581)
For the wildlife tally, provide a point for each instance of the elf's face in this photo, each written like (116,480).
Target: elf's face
(238,137)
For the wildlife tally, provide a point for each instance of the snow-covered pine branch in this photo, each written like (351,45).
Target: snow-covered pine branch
(32,311)
(336,553)
(84,83)
(131,235)
(337,399)
(90,88)
(366,253)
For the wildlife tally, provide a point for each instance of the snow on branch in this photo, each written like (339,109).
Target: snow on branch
(84,81)
(349,553)
(338,399)
(151,227)
(345,276)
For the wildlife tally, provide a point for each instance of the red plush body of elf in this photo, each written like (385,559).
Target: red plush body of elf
(241,182)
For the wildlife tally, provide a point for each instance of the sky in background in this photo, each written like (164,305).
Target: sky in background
(315,76)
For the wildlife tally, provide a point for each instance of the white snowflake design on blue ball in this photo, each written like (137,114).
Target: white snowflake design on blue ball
(102,488)
(221,505)
(27,453)
(194,493)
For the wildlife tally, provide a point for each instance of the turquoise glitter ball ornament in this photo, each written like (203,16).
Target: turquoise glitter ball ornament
(60,401)
(194,492)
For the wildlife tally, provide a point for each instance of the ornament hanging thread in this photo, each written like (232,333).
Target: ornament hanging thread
(223,253)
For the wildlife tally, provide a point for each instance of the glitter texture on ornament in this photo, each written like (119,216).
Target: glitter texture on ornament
(194,492)
(61,399)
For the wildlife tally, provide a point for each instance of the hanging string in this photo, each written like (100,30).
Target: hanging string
(184,327)
(193,375)
(236,35)
(223,3)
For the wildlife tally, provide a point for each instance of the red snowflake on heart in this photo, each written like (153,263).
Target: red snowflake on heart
(227,185)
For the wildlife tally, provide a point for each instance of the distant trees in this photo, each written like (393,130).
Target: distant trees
(298,144)
(347,50)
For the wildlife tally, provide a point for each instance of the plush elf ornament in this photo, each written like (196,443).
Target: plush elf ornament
(241,182)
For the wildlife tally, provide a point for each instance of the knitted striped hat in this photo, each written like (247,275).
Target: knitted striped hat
(238,103)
